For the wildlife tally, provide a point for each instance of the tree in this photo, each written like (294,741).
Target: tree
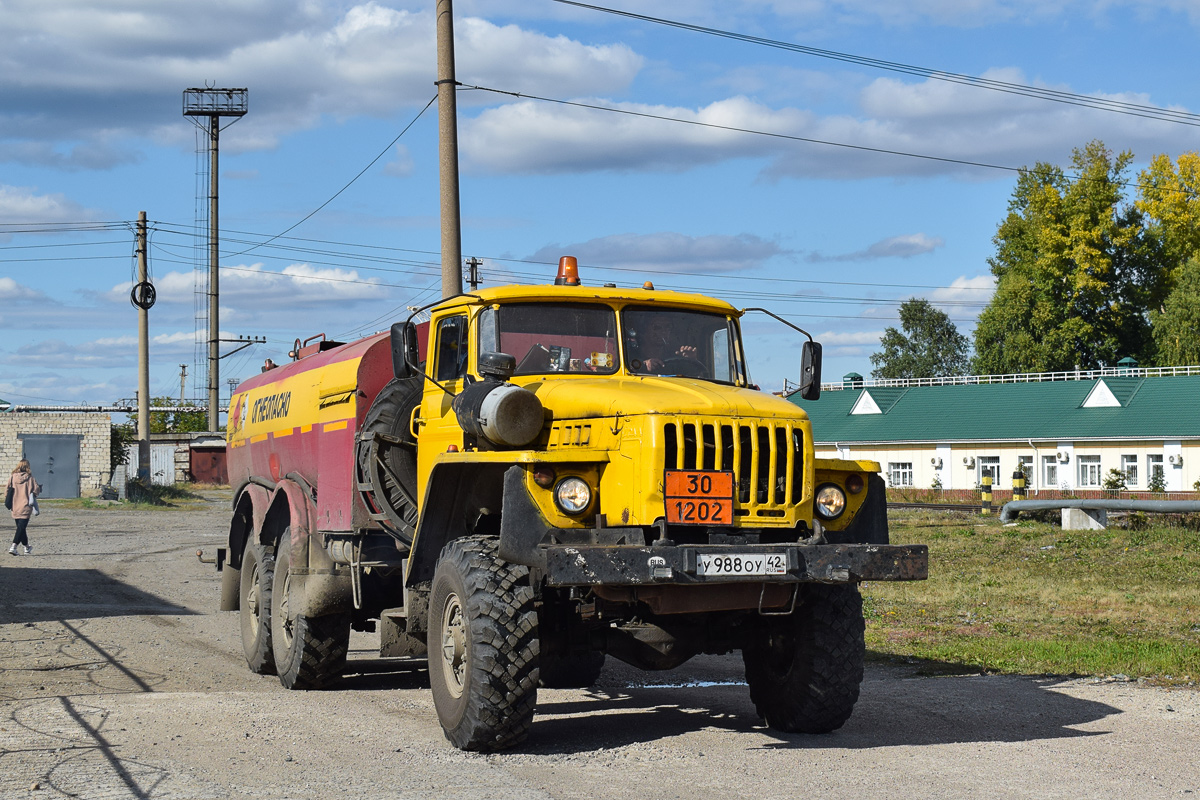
(1169,195)
(174,421)
(929,346)
(1075,272)
(1176,325)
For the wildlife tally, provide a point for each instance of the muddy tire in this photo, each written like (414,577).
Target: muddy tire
(483,647)
(310,652)
(254,607)
(570,670)
(805,669)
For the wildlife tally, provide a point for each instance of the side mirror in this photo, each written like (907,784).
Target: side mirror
(810,370)
(404,349)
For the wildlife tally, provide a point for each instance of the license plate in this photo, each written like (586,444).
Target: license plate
(698,497)
(741,564)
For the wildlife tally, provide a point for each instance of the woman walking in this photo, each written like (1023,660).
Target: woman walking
(24,488)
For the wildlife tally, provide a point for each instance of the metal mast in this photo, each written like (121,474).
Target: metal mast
(213,104)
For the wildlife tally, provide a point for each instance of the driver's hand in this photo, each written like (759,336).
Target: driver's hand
(652,364)
(687,351)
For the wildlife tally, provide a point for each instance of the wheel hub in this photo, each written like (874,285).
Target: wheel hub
(454,646)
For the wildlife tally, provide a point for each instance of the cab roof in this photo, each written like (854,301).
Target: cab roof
(582,294)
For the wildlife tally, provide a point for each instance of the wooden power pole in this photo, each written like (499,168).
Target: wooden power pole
(143,298)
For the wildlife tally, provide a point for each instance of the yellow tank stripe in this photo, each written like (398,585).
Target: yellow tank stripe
(335,426)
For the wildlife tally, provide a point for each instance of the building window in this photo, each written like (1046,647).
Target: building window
(989,465)
(900,473)
(1050,471)
(1129,467)
(1089,471)
(1026,465)
(1154,468)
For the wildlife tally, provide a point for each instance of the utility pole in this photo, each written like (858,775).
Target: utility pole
(213,104)
(182,381)
(473,276)
(143,298)
(448,151)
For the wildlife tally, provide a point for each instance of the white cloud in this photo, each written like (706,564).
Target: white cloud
(944,128)
(253,286)
(65,69)
(850,338)
(10,291)
(977,289)
(905,246)
(668,251)
(529,136)
(22,204)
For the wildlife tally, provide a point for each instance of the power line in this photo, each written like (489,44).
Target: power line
(736,129)
(382,153)
(1053,95)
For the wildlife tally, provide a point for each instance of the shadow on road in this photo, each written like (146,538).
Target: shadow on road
(894,709)
(32,594)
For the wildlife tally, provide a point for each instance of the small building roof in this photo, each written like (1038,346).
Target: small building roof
(1109,407)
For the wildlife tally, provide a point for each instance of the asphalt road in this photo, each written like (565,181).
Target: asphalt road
(118,679)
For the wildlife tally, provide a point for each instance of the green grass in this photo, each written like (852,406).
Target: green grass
(178,496)
(1035,599)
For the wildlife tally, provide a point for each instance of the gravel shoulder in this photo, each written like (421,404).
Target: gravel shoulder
(119,679)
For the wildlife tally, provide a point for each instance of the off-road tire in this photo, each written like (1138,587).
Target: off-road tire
(570,670)
(394,480)
(805,669)
(254,607)
(310,652)
(483,646)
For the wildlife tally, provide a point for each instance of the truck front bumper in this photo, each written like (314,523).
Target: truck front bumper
(612,558)
(594,565)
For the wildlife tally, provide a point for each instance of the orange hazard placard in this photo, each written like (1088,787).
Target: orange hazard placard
(698,497)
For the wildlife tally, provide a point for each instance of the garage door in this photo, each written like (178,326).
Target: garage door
(54,460)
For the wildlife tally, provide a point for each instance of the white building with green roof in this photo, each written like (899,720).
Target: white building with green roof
(1068,429)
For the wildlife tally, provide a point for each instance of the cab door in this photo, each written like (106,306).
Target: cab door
(436,424)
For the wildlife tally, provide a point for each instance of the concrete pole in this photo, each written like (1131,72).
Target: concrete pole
(143,426)
(448,152)
(214,322)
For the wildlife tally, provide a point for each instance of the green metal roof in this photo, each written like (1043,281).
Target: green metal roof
(1150,408)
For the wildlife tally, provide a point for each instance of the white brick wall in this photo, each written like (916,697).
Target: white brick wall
(94,428)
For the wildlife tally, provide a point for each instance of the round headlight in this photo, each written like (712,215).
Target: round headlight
(573,495)
(831,501)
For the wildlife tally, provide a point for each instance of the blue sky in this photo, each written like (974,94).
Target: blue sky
(91,133)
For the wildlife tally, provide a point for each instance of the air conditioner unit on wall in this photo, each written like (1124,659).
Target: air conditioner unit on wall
(1063,456)
(936,462)
(969,462)
(1176,460)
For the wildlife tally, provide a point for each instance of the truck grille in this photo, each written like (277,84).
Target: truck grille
(766,459)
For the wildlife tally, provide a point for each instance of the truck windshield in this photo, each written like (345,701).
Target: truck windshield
(552,337)
(691,344)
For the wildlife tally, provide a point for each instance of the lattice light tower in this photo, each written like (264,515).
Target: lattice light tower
(212,105)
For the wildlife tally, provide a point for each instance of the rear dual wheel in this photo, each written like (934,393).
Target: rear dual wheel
(254,606)
(309,652)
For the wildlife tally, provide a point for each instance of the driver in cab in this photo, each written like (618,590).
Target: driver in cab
(661,353)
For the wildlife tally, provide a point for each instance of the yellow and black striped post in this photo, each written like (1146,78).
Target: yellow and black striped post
(986,492)
(1018,485)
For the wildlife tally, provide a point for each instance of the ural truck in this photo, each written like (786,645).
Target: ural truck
(535,478)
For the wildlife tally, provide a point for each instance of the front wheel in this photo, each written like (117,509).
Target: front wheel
(483,646)
(805,669)
(310,652)
(254,607)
